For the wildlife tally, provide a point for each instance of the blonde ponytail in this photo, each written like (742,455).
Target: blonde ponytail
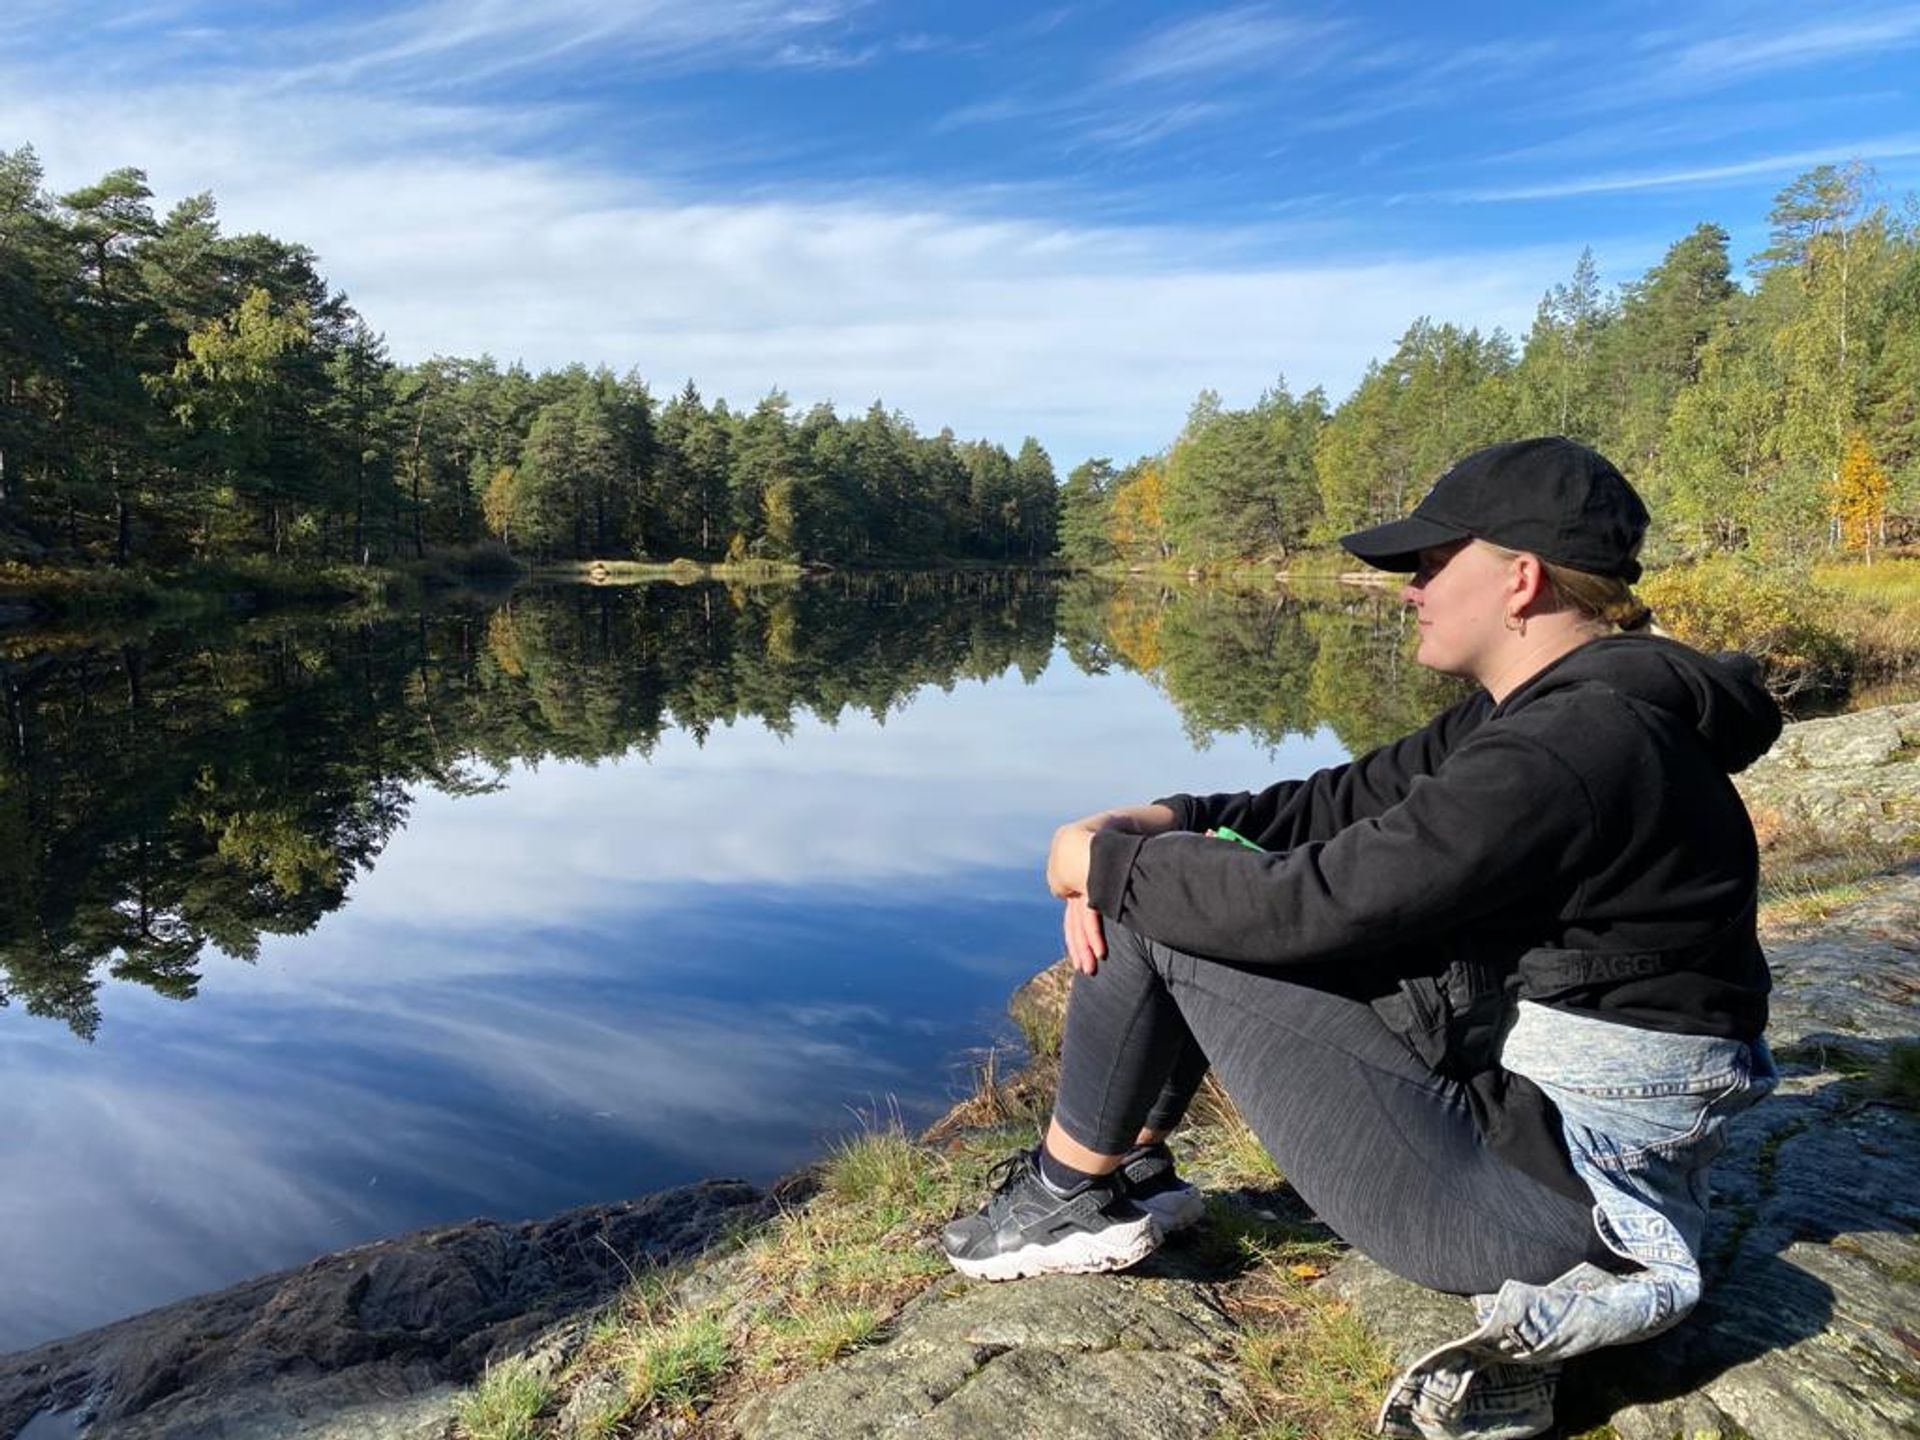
(1605,600)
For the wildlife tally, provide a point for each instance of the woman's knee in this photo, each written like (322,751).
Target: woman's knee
(1127,947)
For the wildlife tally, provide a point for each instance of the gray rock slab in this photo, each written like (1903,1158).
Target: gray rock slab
(1853,774)
(371,1342)
(1099,1357)
(1849,986)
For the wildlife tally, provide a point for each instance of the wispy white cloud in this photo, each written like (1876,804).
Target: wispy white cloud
(1424,80)
(795,55)
(1093,338)
(1246,37)
(1890,147)
(1818,41)
(1108,109)
(478,39)
(1661,133)
(430,47)
(1005,109)
(1133,130)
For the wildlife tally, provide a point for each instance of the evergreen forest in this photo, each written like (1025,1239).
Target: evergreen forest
(1778,418)
(172,394)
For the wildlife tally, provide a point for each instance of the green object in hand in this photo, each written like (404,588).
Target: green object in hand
(1221,832)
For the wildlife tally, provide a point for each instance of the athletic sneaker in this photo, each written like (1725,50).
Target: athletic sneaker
(1026,1229)
(1149,1180)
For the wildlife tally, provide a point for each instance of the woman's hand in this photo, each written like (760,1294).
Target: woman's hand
(1086,941)
(1071,854)
(1069,858)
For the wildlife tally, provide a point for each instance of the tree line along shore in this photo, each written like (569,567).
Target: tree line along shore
(182,408)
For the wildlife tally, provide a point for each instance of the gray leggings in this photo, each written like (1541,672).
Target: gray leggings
(1385,1151)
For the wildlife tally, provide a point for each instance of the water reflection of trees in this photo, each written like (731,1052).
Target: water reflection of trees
(1268,664)
(161,797)
(183,791)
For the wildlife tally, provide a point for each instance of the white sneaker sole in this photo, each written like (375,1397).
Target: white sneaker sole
(1114,1248)
(1174,1210)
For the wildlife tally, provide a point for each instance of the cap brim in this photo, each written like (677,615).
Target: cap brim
(1397,544)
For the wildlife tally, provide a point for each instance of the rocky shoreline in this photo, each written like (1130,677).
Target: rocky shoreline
(1810,1328)
(375,1341)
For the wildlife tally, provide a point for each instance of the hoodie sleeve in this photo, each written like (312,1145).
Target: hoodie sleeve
(1504,823)
(1294,812)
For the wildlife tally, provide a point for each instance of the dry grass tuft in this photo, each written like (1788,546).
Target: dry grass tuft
(1225,1147)
(999,1100)
(1039,1008)
(1808,875)
(505,1404)
(1311,1370)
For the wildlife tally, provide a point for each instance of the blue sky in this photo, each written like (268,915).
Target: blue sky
(1062,220)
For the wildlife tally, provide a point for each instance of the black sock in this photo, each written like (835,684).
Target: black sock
(1060,1177)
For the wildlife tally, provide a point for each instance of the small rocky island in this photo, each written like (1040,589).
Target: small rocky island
(1810,1329)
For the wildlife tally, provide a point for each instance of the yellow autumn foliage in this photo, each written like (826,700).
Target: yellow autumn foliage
(1859,497)
(1726,603)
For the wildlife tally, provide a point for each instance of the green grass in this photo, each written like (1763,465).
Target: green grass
(673,1365)
(879,1167)
(1314,563)
(824,1279)
(816,1282)
(1876,610)
(505,1404)
(208,586)
(1235,1240)
(841,1267)
(1802,900)
(823,1333)
(1310,1368)
(1895,581)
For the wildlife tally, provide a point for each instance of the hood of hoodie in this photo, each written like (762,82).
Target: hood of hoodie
(1721,697)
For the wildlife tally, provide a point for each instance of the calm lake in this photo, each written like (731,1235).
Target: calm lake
(314,930)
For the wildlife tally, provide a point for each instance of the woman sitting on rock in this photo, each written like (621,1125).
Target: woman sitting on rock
(1487,994)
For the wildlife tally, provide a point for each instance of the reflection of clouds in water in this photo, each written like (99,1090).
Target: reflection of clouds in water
(495,1022)
(159,1175)
(824,1015)
(973,780)
(670,1083)
(143,1192)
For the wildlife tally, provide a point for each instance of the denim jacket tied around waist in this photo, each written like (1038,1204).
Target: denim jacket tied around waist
(1644,1113)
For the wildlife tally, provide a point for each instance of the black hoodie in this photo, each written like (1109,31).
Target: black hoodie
(1582,834)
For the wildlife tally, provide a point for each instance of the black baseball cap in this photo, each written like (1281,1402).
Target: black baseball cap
(1548,496)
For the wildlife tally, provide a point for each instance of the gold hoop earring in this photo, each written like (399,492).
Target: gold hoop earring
(1517,623)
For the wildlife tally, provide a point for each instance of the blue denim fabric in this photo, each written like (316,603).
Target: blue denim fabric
(1644,1114)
